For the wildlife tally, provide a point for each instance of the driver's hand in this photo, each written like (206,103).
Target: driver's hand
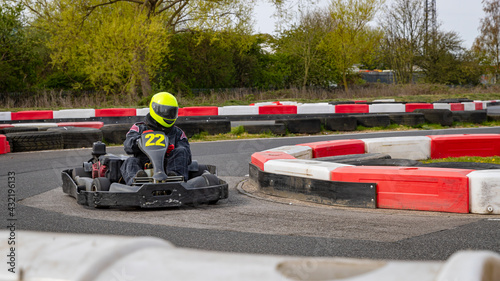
(170,148)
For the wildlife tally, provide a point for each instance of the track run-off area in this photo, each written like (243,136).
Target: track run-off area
(248,222)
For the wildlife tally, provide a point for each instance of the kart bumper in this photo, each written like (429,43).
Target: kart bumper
(149,195)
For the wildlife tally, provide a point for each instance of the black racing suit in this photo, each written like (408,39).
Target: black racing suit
(176,161)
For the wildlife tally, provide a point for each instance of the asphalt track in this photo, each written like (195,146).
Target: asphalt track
(243,223)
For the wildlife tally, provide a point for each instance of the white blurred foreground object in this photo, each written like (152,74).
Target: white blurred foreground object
(53,256)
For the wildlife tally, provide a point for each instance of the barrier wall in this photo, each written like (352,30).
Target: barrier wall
(263,108)
(32,115)
(115,112)
(63,256)
(412,188)
(4,145)
(336,147)
(482,145)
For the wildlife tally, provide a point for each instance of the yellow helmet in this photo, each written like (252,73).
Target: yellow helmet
(164,109)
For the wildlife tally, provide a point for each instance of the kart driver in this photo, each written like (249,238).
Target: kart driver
(162,115)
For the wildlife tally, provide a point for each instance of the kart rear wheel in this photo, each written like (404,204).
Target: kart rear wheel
(80,172)
(100,184)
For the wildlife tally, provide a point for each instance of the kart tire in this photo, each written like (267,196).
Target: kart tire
(115,133)
(18,130)
(31,141)
(100,184)
(80,172)
(77,137)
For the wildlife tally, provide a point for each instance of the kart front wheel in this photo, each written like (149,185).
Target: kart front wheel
(100,184)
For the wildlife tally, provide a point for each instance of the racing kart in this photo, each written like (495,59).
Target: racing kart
(98,182)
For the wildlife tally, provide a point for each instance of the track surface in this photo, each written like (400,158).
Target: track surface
(243,223)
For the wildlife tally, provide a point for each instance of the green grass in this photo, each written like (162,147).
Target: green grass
(477,159)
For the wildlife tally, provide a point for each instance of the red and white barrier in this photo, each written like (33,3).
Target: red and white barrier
(484,192)
(4,145)
(278,109)
(413,188)
(260,158)
(298,152)
(74,113)
(352,108)
(115,112)
(469,106)
(410,107)
(483,145)
(442,106)
(142,111)
(302,168)
(38,125)
(415,148)
(199,111)
(5,116)
(336,147)
(387,108)
(239,110)
(32,115)
(315,108)
(90,124)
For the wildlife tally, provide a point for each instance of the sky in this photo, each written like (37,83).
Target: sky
(461,16)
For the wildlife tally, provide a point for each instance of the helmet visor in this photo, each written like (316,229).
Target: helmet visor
(165,111)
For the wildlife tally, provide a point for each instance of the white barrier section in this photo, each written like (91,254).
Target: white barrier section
(484,192)
(289,103)
(315,108)
(75,257)
(5,116)
(469,106)
(302,168)
(469,265)
(142,111)
(297,151)
(414,148)
(442,106)
(264,103)
(47,256)
(74,113)
(38,125)
(239,110)
(387,107)
(385,100)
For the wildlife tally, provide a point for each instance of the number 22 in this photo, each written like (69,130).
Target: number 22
(152,137)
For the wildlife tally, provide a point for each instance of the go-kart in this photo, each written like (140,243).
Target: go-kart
(98,182)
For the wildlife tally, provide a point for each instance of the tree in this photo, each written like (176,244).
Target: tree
(302,43)
(19,59)
(352,38)
(446,61)
(118,44)
(488,42)
(404,26)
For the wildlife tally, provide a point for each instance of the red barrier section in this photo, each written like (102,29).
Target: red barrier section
(483,145)
(32,115)
(199,111)
(352,108)
(479,105)
(4,145)
(456,107)
(336,147)
(259,158)
(90,124)
(412,188)
(115,112)
(410,107)
(360,101)
(278,109)
(2,126)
